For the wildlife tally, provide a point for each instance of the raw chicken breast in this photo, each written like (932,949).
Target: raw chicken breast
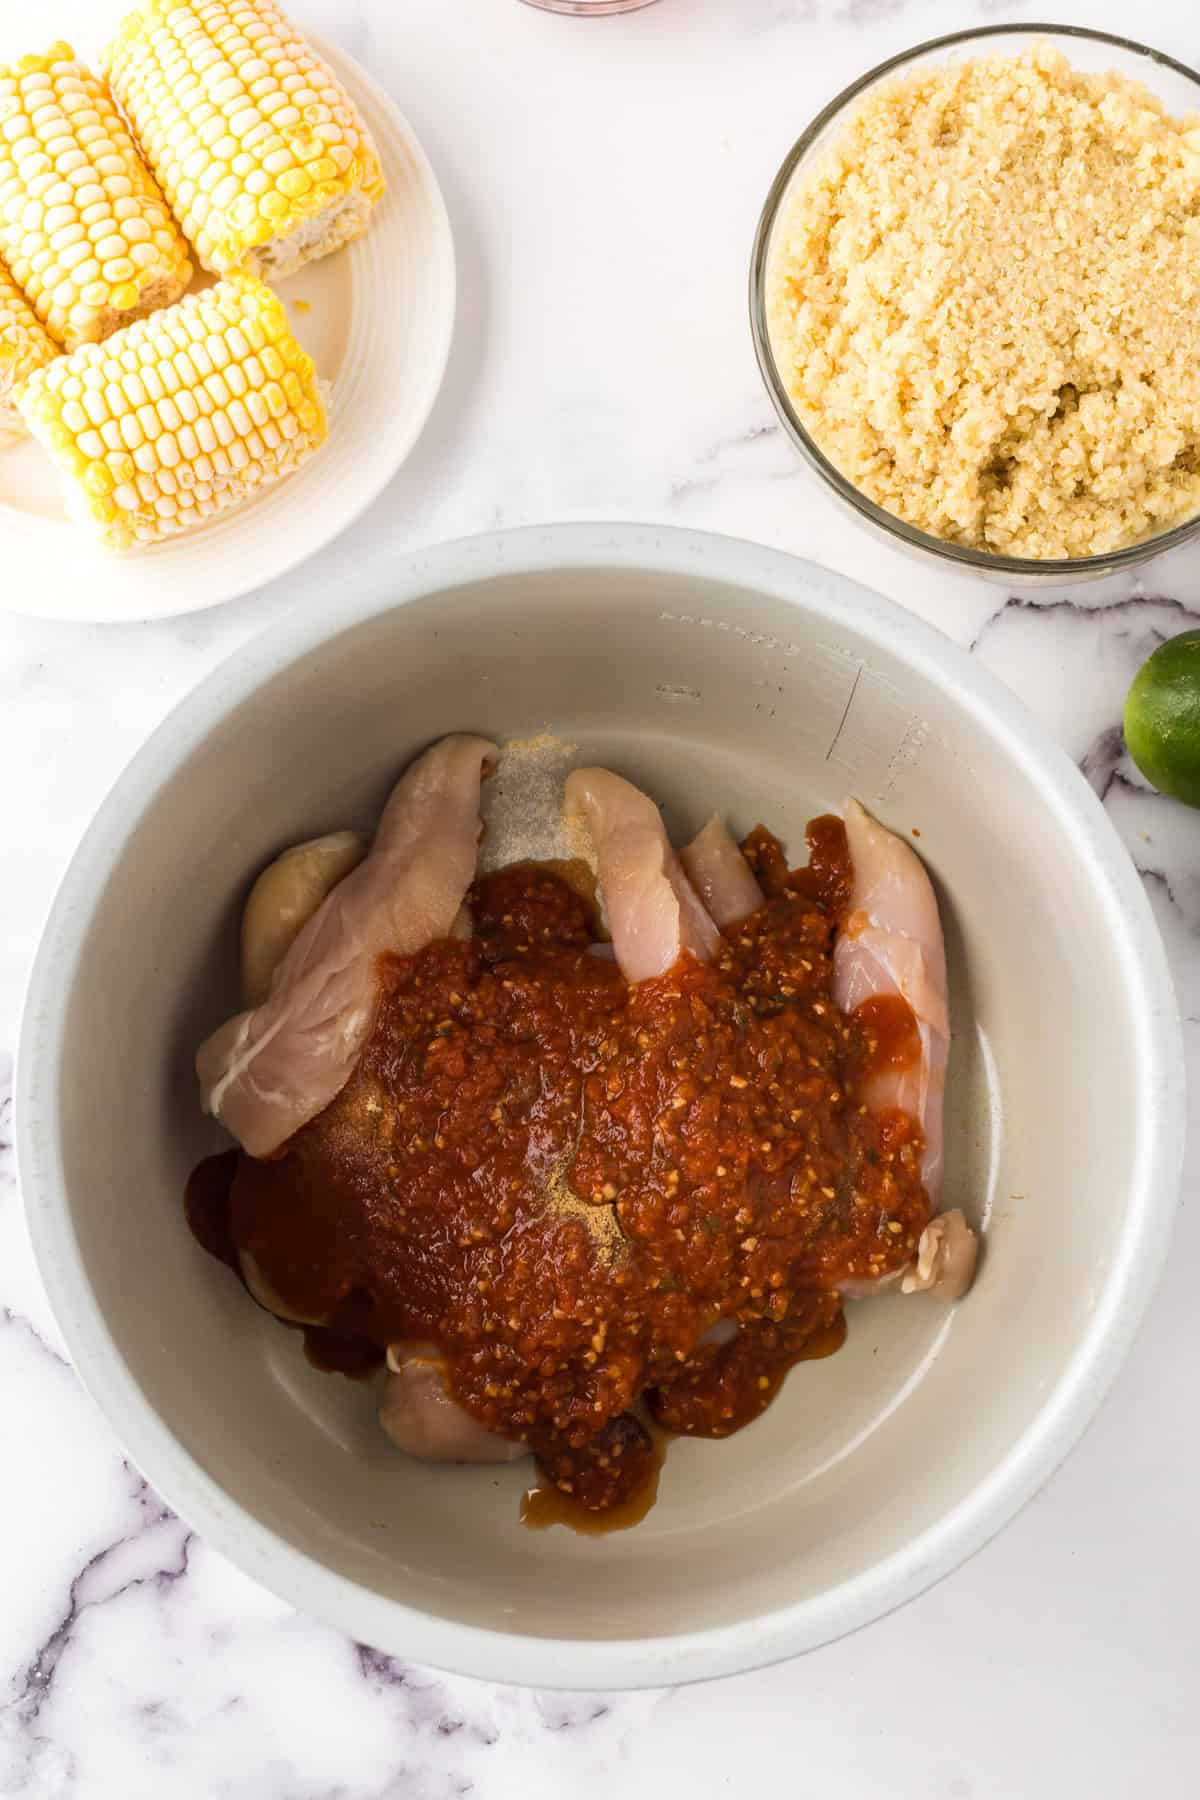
(421,1417)
(269,1071)
(721,875)
(654,913)
(946,1258)
(891,943)
(284,899)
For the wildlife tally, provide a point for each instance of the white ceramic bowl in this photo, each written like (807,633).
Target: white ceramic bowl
(720,675)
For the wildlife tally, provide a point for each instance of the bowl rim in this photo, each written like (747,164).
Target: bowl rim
(963,556)
(510,1657)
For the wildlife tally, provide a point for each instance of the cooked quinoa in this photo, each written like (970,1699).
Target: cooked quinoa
(985,306)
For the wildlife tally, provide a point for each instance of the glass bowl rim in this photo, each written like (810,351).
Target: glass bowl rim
(1067,569)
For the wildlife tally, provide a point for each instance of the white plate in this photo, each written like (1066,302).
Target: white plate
(377,317)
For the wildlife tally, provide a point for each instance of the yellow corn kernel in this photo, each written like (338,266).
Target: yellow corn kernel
(178,416)
(24,347)
(294,183)
(70,177)
(251,136)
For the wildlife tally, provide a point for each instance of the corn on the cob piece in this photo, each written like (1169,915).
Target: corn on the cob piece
(256,143)
(24,347)
(179,416)
(83,228)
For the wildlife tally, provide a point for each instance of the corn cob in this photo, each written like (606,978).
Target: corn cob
(256,143)
(178,416)
(84,230)
(24,347)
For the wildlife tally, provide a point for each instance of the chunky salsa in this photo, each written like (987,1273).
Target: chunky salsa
(597,1200)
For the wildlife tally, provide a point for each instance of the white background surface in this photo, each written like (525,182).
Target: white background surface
(603,178)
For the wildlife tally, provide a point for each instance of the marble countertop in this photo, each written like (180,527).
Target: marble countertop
(604,178)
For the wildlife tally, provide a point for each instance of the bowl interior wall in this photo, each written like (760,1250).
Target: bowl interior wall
(713,697)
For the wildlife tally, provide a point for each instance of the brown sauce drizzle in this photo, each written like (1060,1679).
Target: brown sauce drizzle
(551,1503)
(206,1206)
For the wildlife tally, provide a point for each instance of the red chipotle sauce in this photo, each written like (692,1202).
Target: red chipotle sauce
(566,1182)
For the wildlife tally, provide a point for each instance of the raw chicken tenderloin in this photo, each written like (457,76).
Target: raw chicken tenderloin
(422,1418)
(269,1071)
(721,875)
(891,943)
(418,1411)
(654,913)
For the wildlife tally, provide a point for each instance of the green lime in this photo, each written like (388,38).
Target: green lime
(1162,718)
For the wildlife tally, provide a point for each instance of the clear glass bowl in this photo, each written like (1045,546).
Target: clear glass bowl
(1177,86)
